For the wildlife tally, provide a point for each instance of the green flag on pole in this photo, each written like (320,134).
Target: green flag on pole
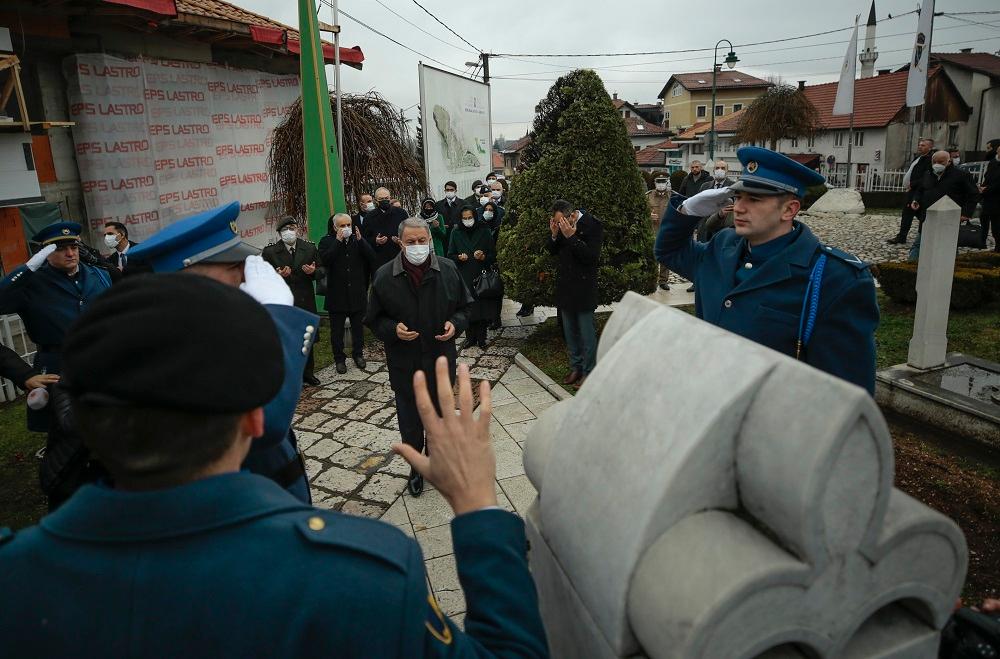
(324,178)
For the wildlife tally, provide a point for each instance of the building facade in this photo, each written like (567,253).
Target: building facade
(687,97)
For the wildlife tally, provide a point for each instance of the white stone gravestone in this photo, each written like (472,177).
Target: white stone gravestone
(935,273)
(704,496)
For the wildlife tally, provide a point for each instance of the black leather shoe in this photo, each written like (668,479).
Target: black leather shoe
(665,287)
(360,362)
(690,289)
(573,377)
(341,367)
(311,380)
(484,343)
(895,240)
(525,311)
(415,485)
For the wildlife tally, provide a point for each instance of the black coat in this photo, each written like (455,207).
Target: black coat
(576,273)
(469,241)
(13,367)
(442,297)
(991,181)
(692,184)
(300,283)
(132,266)
(387,224)
(452,212)
(920,169)
(954,183)
(348,271)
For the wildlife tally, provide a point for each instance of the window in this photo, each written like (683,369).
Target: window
(676,91)
(859,138)
(701,111)
(666,115)
(698,149)
(953,135)
(737,107)
(720,110)
(811,141)
(838,138)
(627,114)
(636,148)
(795,142)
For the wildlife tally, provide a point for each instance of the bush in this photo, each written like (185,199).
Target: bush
(590,162)
(976,280)
(677,178)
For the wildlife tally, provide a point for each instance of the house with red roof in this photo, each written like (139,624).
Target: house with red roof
(686,97)
(641,132)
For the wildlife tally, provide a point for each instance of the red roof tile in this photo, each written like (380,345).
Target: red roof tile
(987,63)
(724,79)
(650,157)
(637,127)
(666,144)
(514,147)
(876,100)
(725,124)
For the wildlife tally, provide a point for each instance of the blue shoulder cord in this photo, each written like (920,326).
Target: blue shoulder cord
(810,301)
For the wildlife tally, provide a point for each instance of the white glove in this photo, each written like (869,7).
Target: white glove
(706,202)
(263,284)
(36,261)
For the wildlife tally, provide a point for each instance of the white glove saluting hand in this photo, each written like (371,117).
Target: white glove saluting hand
(36,261)
(263,284)
(706,202)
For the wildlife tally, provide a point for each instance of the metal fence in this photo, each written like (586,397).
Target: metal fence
(13,336)
(874,180)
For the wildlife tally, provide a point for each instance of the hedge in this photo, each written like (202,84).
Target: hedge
(976,280)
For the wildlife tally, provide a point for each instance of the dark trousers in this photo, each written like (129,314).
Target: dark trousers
(478,331)
(411,428)
(581,339)
(337,322)
(988,220)
(906,221)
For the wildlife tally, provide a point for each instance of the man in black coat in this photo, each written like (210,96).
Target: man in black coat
(418,305)
(944,179)
(451,206)
(576,243)
(381,228)
(21,373)
(990,189)
(116,239)
(696,178)
(919,168)
(348,259)
(296,260)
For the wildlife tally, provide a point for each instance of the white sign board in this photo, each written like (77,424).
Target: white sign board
(159,140)
(455,116)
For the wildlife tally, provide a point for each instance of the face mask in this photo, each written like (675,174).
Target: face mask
(288,236)
(449,194)
(369,207)
(488,215)
(938,168)
(384,204)
(483,201)
(428,213)
(417,254)
(469,223)
(345,232)
(496,194)
(661,187)
(956,161)
(490,180)
(719,174)
(111,241)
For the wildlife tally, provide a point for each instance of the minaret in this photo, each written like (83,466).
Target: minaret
(870,53)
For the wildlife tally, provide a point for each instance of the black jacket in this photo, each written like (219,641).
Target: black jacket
(920,169)
(300,283)
(441,297)
(576,272)
(13,367)
(991,181)
(132,266)
(954,183)
(348,271)
(692,184)
(387,224)
(452,212)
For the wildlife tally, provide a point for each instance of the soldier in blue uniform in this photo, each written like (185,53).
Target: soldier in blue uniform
(769,278)
(189,557)
(48,293)
(209,244)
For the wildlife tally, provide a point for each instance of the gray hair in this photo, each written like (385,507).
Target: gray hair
(414,223)
(340,215)
(695,162)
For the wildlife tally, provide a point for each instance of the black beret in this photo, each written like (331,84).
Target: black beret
(286,221)
(178,341)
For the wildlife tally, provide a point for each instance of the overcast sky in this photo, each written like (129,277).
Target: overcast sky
(533,27)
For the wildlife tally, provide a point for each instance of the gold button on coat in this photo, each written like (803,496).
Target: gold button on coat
(317,523)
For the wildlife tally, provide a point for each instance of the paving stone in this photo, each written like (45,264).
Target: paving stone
(508,458)
(305,439)
(459,620)
(313,421)
(500,394)
(396,515)
(329,390)
(520,492)
(442,574)
(329,502)
(383,488)
(538,408)
(513,374)
(332,425)
(340,404)
(469,361)
(435,542)
(525,387)
(502,499)
(364,410)
(382,393)
(428,510)
(397,466)
(352,375)
(339,480)
(349,457)
(383,415)
(313,467)
(519,431)
(511,413)
(363,435)
(538,397)
(381,377)
(363,509)
(373,366)
(489,374)
(323,449)
(516,332)
(503,351)
(360,389)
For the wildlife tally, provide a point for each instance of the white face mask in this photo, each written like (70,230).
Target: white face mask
(468,223)
(719,174)
(496,194)
(490,181)
(370,206)
(956,161)
(488,215)
(417,254)
(111,241)
(483,201)
(288,236)
(662,187)
(449,194)
(938,168)
(345,232)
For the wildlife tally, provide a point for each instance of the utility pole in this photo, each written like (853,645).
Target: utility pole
(485,58)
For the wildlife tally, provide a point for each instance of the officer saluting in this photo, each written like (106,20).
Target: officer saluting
(188,557)
(769,279)
(209,244)
(48,293)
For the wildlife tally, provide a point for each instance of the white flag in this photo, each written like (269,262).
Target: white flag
(916,82)
(844,104)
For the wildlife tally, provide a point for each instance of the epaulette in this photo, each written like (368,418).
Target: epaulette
(6,535)
(271,244)
(357,535)
(846,257)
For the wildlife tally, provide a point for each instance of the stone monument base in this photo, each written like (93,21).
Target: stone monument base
(962,397)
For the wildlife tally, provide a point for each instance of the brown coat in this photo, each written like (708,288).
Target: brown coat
(657,206)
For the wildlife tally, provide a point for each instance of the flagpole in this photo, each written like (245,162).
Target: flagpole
(850,144)
(336,84)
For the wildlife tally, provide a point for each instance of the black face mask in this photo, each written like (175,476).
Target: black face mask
(384,204)
(428,213)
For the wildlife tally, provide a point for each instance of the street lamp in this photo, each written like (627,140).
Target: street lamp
(730,61)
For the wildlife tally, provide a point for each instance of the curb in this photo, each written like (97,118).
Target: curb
(538,376)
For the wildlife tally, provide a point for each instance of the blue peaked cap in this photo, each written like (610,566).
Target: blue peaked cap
(208,237)
(768,172)
(58,232)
